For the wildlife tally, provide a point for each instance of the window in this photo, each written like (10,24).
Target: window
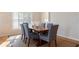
(21,17)
(15,21)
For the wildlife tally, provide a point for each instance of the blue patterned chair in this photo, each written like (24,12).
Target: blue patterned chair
(52,33)
(29,35)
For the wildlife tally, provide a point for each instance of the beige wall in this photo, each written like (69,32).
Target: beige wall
(6,21)
(36,16)
(39,17)
(44,15)
(6,24)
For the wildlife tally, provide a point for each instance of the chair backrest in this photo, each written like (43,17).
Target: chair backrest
(26,30)
(52,33)
(22,29)
(49,24)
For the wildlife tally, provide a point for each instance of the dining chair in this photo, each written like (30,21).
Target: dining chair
(29,35)
(48,27)
(22,32)
(52,33)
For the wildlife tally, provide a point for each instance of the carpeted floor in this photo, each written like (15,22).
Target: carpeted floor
(20,43)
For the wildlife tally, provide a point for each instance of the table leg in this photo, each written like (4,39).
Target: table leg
(39,41)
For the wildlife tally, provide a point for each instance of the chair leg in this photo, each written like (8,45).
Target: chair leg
(55,43)
(21,36)
(39,42)
(28,42)
(25,40)
(77,45)
(48,44)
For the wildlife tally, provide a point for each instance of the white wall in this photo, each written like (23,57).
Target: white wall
(68,23)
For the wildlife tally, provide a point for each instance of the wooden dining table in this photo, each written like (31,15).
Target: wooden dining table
(39,29)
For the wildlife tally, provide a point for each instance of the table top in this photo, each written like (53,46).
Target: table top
(39,29)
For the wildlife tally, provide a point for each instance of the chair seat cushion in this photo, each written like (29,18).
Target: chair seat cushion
(44,37)
(34,35)
(46,33)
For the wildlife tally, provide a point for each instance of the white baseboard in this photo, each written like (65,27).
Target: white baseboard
(68,37)
(7,34)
